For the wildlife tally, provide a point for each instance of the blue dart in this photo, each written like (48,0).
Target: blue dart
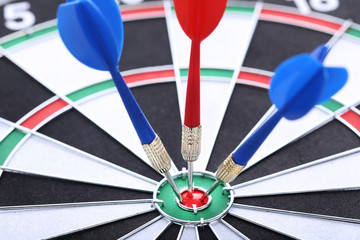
(92,30)
(299,83)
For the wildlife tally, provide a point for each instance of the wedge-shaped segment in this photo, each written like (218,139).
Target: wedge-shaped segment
(299,225)
(42,155)
(150,230)
(337,172)
(45,221)
(188,232)
(223,230)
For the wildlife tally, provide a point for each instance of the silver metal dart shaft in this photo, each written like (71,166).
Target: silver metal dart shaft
(339,33)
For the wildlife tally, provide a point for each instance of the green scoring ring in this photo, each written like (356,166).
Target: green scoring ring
(220,204)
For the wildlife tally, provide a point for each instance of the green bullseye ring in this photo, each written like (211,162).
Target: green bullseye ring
(221,200)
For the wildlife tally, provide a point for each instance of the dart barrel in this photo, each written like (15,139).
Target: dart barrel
(158,156)
(228,170)
(191,143)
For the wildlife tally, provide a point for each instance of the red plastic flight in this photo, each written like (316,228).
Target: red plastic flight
(198,19)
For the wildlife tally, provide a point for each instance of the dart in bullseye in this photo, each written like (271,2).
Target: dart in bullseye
(198,20)
(92,30)
(298,84)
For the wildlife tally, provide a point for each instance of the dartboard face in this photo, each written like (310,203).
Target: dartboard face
(72,166)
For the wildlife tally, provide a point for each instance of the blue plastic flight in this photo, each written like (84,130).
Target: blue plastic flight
(299,83)
(92,30)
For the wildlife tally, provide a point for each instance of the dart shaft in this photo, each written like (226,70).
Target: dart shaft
(339,33)
(323,50)
(246,150)
(138,119)
(192,105)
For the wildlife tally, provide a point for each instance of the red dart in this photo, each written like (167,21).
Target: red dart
(198,18)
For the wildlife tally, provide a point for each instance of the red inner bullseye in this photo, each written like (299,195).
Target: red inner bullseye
(188,199)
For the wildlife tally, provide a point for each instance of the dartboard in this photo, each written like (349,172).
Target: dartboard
(72,166)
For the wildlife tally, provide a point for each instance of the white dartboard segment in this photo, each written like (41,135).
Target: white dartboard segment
(58,160)
(224,231)
(113,121)
(349,47)
(299,225)
(46,221)
(337,172)
(222,54)
(56,69)
(150,230)
(109,120)
(188,232)
(61,73)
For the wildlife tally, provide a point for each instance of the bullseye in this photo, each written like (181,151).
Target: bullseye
(191,201)
(194,197)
